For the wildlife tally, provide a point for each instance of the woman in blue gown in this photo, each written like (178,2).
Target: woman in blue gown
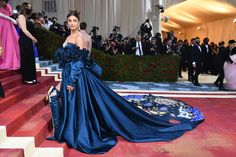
(89,116)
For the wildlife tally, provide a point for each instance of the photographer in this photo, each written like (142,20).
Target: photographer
(115,34)
(48,23)
(56,27)
(153,49)
(125,47)
(38,19)
(96,37)
(171,36)
(112,49)
(105,45)
(145,29)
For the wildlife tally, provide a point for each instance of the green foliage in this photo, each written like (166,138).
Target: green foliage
(48,42)
(162,68)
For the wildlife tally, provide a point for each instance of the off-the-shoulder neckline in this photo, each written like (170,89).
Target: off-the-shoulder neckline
(66,43)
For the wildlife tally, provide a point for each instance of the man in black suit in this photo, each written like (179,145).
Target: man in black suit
(197,61)
(190,59)
(207,55)
(138,45)
(225,57)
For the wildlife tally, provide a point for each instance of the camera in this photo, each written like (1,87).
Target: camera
(95,29)
(96,37)
(116,29)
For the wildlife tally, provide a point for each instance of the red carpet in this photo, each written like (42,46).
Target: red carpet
(11,153)
(24,114)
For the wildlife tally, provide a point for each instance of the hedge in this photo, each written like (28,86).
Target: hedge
(162,68)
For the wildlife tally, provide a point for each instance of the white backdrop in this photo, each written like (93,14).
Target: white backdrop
(128,14)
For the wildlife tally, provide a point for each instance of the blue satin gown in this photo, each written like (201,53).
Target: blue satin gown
(93,115)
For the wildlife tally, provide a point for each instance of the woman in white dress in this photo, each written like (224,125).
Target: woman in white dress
(230,71)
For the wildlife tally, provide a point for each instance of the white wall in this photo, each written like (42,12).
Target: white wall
(128,14)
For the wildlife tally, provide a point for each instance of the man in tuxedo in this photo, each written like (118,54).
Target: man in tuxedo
(137,46)
(197,61)
(190,59)
(225,57)
(207,55)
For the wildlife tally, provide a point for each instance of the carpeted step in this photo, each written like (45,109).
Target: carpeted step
(11,153)
(38,126)
(15,95)
(7,73)
(16,115)
(26,143)
(11,82)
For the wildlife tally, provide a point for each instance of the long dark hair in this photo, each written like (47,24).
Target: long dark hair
(24,9)
(74,13)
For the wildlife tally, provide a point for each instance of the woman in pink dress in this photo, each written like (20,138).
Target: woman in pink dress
(9,47)
(230,72)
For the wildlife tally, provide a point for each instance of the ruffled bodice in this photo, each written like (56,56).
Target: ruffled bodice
(71,53)
(74,61)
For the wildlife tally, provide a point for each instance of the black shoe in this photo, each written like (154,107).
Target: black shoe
(216,84)
(197,84)
(181,76)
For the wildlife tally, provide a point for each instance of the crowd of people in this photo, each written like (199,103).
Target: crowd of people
(208,58)
(87,114)
(195,57)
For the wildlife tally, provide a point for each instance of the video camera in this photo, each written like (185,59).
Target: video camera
(116,29)
(94,30)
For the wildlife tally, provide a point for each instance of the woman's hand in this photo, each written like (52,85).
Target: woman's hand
(70,88)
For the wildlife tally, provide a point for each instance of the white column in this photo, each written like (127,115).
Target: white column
(98,13)
(156,15)
(62,10)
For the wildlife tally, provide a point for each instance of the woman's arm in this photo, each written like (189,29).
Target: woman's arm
(22,25)
(8,18)
(74,74)
(90,45)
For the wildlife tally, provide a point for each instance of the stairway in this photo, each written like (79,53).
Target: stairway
(25,121)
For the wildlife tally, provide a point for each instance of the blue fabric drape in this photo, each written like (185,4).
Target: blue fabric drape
(93,115)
